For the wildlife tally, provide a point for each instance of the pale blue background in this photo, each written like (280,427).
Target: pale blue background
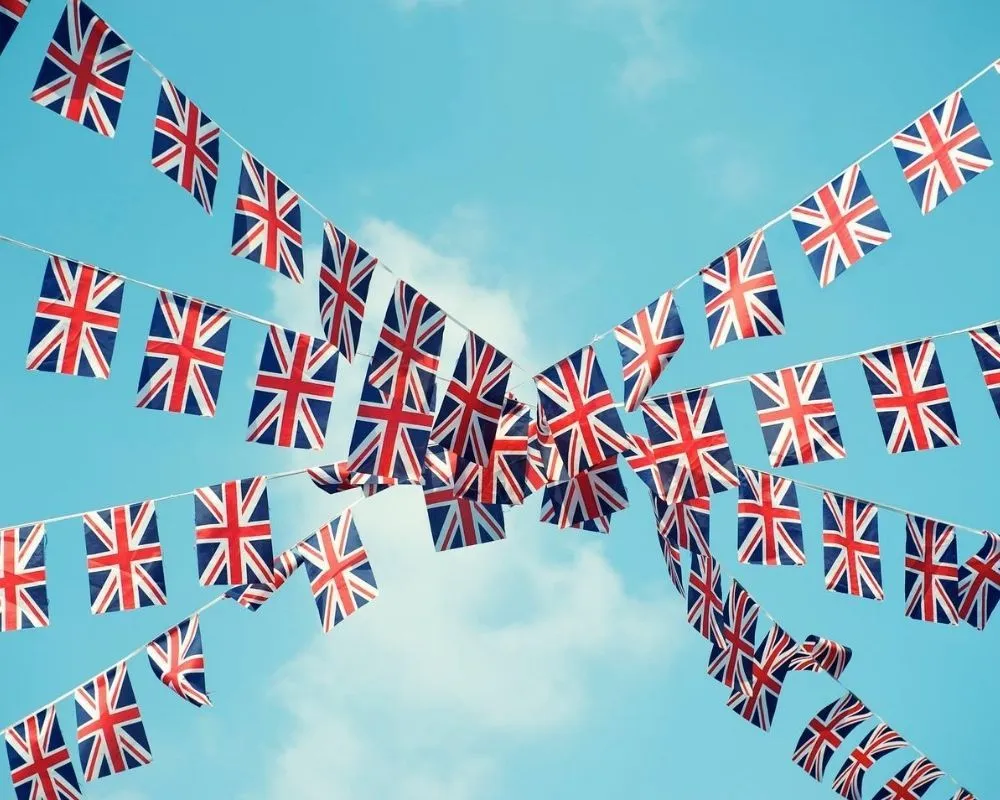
(580,156)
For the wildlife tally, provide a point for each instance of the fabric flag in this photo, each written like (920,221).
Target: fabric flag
(408,352)
(267,225)
(826,732)
(339,572)
(986,342)
(124,558)
(85,70)
(592,494)
(940,152)
(76,322)
(644,460)
(770,523)
(879,741)
(24,600)
(647,342)
(11,12)
(741,294)
(40,764)
(686,433)
(963,794)
(550,515)
(756,698)
(838,224)
(186,145)
(672,558)
(345,273)
(455,521)
(294,391)
(686,524)
(851,551)
(185,355)
(910,397)
(545,466)
(911,782)
(731,659)
(931,571)
(796,416)
(822,655)
(979,583)
(335,478)
(705,605)
(109,727)
(232,532)
(579,411)
(470,409)
(178,661)
(253,595)
(504,477)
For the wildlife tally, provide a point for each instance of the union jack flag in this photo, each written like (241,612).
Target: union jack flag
(686,523)
(470,410)
(109,725)
(267,226)
(741,294)
(941,152)
(40,764)
(580,411)
(979,583)
(672,558)
(796,416)
(770,523)
(879,741)
(253,595)
(178,661)
(647,342)
(85,70)
(592,494)
(756,697)
(911,782)
(124,558)
(409,348)
(345,273)
(550,514)
(826,732)
(704,598)
(822,655)
(691,445)
(232,532)
(185,354)
(838,224)
(76,321)
(963,794)
(335,478)
(456,521)
(851,548)
(544,466)
(503,478)
(11,12)
(643,458)
(24,601)
(294,391)
(339,572)
(732,656)
(931,577)
(910,397)
(986,342)
(186,145)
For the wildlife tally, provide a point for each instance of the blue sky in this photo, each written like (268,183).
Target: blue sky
(544,168)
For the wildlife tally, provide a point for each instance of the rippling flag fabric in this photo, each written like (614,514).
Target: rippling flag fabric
(550,514)
(705,605)
(11,12)
(504,477)
(910,397)
(979,583)
(345,273)
(592,494)
(40,764)
(817,654)
(672,559)
(770,522)
(456,521)
(741,294)
(267,225)
(931,571)
(756,698)
(838,224)
(796,416)
(911,782)
(732,657)
(545,466)
(109,725)
(232,532)
(178,661)
(963,794)
(826,732)
(76,321)
(851,551)
(85,70)
(644,460)
(686,523)
(986,341)
(186,145)
(253,595)
(879,741)
(185,355)
(647,342)
(24,600)
(940,152)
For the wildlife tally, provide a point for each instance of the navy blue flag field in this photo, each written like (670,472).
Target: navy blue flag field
(11,12)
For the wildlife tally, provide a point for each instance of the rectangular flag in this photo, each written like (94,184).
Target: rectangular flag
(109,725)
(24,601)
(232,531)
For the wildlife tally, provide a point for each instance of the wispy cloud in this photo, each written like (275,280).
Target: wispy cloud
(729,172)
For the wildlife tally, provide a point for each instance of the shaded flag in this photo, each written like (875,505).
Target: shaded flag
(672,558)
(851,551)
(817,654)
(253,595)
(345,273)
(178,661)
(756,697)
(335,478)
(826,732)
(11,12)
(24,600)
(455,521)
(591,494)
(40,764)
(85,70)
(986,342)
(186,145)
(544,466)
(550,515)
(76,322)
(705,605)
(686,523)
(109,725)
(963,794)
(931,571)
(232,532)
(503,479)
(770,523)
(911,782)
(267,225)
(838,224)
(879,741)
(940,152)
(644,460)
(979,583)
(647,342)
(731,659)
